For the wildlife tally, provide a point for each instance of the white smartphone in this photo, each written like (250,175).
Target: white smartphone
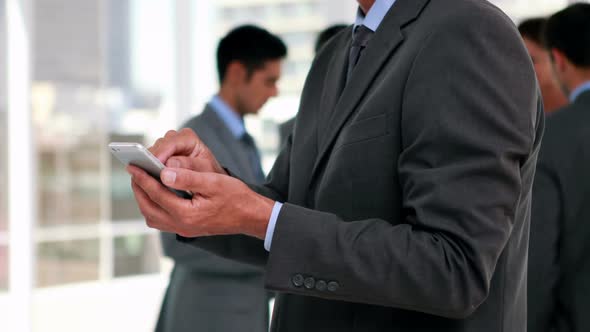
(137,155)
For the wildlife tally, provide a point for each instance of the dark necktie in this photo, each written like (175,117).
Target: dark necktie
(253,157)
(360,39)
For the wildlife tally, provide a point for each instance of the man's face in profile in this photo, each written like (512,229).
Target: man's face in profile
(258,87)
(541,60)
(544,70)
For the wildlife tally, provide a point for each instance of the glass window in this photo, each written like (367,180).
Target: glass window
(69,110)
(63,262)
(297,9)
(521,9)
(103,72)
(298,38)
(70,179)
(134,254)
(3,175)
(3,153)
(227,13)
(3,268)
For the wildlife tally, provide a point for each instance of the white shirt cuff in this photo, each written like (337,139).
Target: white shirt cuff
(270,229)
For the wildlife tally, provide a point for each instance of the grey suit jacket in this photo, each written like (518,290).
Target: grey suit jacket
(285,129)
(559,259)
(208,292)
(408,190)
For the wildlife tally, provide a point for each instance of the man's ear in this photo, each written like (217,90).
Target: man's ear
(236,72)
(559,60)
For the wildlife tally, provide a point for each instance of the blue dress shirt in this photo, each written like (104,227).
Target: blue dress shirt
(375,15)
(231,119)
(579,90)
(371,20)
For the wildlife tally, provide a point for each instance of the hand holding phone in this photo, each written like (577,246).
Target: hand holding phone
(137,155)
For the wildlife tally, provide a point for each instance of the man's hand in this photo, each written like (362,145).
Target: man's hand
(184,149)
(220,205)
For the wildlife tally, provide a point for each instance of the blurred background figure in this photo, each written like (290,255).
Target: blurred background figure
(324,36)
(559,249)
(206,292)
(532,31)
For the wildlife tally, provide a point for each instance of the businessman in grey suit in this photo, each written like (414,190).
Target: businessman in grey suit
(208,292)
(402,200)
(559,259)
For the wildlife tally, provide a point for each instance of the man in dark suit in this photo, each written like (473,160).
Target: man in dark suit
(533,33)
(559,259)
(406,186)
(207,292)
(286,128)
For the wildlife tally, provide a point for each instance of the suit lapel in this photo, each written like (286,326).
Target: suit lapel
(380,49)
(333,84)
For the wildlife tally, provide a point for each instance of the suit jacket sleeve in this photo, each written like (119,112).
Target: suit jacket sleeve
(201,260)
(468,125)
(543,268)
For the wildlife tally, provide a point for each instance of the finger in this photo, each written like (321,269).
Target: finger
(205,184)
(155,216)
(171,133)
(161,140)
(182,143)
(157,193)
(204,159)
(193,163)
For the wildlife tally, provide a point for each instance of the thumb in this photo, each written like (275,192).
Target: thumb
(185,179)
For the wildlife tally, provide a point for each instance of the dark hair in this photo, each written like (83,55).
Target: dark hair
(534,29)
(569,31)
(250,45)
(327,34)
